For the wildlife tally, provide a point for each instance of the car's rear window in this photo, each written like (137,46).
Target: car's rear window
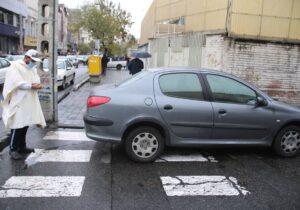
(133,79)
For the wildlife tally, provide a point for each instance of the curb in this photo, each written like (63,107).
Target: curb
(76,87)
(4,142)
(63,97)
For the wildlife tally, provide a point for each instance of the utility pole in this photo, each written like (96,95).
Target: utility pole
(47,39)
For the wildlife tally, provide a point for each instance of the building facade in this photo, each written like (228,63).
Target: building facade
(31,24)
(62,29)
(257,40)
(12,14)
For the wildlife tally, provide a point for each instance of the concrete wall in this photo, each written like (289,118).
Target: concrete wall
(265,19)
(277,20)
(273,67)
(199,15)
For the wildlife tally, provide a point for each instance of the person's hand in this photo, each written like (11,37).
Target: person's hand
(36,86)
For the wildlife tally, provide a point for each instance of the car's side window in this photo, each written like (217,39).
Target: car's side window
(69,65)
(228,90)
(181,85)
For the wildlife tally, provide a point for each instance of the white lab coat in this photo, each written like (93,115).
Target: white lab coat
(21,107)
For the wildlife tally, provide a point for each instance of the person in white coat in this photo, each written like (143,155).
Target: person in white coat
(21,105)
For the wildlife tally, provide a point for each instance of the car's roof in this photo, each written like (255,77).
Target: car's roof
(188,69)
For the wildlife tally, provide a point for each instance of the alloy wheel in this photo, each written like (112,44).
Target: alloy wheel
(145,145)
(290,141)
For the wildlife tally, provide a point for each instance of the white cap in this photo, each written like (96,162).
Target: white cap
(33,55)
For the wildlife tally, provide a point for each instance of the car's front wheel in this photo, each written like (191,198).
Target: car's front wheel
(287,142)
(144,144)
(119,67)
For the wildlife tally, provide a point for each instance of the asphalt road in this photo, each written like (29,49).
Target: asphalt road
(112,181)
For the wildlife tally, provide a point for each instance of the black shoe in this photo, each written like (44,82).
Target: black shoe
(26,150)
(16,155)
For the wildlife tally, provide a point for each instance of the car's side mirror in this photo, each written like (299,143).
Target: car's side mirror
(69,68)
(260,101)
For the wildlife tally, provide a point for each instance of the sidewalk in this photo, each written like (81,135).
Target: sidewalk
(72,108)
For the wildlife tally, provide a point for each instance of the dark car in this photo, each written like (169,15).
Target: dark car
(189,107)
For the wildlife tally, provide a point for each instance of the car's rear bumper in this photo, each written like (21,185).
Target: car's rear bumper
(101,129)
(97,121)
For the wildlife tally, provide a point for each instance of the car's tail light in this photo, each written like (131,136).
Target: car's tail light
(97,101)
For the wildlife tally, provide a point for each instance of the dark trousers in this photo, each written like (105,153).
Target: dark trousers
(18,139)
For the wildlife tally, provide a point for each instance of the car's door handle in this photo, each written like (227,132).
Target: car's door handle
(168,107)
(222,112)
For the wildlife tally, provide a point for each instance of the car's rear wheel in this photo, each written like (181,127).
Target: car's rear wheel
(144,144)
(64,84)
(119,67)
(287,142)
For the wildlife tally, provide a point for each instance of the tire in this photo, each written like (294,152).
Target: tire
(64,84)
(73,80)
(287,142)
(119,67)
(144,144)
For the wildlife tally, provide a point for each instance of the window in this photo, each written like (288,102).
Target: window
(228,90)
(181,85)
(10,19)
(1,17)
(45,10)
(69,65)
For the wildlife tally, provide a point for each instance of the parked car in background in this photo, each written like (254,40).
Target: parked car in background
(14,57)
(73,60)
(117,62)
(65,72)
(4,66)
(82,59)
(189,107)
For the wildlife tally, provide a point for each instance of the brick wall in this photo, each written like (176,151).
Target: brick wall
(273,67)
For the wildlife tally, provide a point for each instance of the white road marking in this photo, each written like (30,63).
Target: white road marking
(41,155)
(42,186)
(186,158)
(66,136)
(202,186)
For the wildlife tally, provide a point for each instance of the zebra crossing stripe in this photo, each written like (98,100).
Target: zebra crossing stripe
(66,136)
(202,186)
(42,186)
(41,155)
(186,158)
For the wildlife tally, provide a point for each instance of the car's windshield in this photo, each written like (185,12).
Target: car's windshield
(133,79)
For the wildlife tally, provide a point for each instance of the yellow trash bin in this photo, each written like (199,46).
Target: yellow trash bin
(95,68)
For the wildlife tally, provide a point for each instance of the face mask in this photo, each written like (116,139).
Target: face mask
(31,65)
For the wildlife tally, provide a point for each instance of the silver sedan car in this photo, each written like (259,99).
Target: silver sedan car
(189,107)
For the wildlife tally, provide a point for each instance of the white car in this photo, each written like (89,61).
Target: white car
(65,72)
(117,62)
(4,65)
